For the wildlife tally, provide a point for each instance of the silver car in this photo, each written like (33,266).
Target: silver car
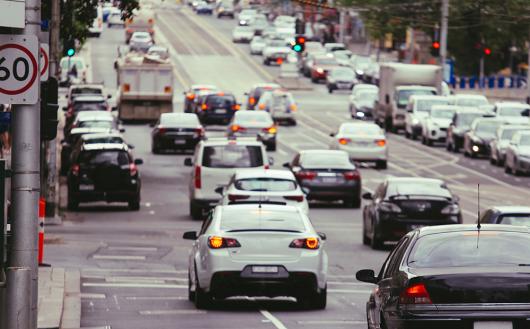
(500,143)
(518,154)
(254,124)
(141,41)
(280,104)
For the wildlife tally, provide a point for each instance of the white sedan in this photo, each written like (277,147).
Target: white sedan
(257,250)
(242,34)
(264,185)
(435,126)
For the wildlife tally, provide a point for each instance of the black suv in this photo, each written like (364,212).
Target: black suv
(104,172)
(217,108)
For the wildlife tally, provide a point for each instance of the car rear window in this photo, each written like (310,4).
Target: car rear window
(220,101)
(261,220)
(325,159)
(253,117)
(95,124)
(472,102)
(513,111)
(86,91)
(232,156)
(90,106)
(517,219)
(421,188)
(466,119)
(426,105)
(468,248)
(361,129)
(110,157)
(263,184)
(105,140)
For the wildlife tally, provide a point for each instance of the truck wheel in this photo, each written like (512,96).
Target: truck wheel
(73,203)
(195,211)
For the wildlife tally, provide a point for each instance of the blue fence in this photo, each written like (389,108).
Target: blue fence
(491,82)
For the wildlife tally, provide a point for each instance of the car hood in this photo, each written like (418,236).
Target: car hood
(524,151)
(444,123)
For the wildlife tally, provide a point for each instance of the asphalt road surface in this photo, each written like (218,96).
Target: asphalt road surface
(134,264)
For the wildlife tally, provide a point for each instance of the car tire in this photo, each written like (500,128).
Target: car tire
(354,202)
(155,149)
(271,147)
(493,162)
(375,242)
(507,169)
(381,164)
(456,149)
(191,294)
(202,299)
(330,90)
(293,122)
(516,170)
(195,211)
(366,240)
(407,135)
(266,62)
(134,205)
(72,203)
(314,300)
(428,141)
(448,147)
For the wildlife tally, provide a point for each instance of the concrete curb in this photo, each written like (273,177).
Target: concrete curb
(51,297)
(71,316)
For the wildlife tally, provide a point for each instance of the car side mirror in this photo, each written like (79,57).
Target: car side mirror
(65,108)
(114,109)
(323,236)
(109,96)
(130,146)
(219,190)
(366,276)
(271,161)
(409,110)
(122,130)
(138,161)
(191,235)
(367,196)
(286,165)
(332,135)
(188,162)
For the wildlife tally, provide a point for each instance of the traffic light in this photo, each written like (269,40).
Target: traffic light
(69,47)
(435,49)
(487,51)
(299,44)
(48,109)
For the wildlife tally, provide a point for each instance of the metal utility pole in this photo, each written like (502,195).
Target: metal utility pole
(25,187)
(412,45)
(443,35)
(528,71)
(342,21)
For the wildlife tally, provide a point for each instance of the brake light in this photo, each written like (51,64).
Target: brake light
(415,294)
(151,21)
(151,31)
(204,107)
(236,128)
(270,130)
(380,142)
(167,89)
(199,131)
(261,106)
(235,197)
(279,61)
(307,243)
(298,198)
(236,107)
(352,175)
(190,96)
(309,175)
(220,93)
(252,101)
(217,242)
(197,178)
(344,141)
(75,169)
(133,169)
(126,88)
(161,131)
(293,107)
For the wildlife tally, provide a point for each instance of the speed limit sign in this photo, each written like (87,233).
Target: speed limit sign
(19,69)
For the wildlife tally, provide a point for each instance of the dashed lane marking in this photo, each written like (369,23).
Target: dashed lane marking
(131,270)
(119,257)
(133,285)
(119,248)
(171,312)
(92,296)
(156,298)
(274,320)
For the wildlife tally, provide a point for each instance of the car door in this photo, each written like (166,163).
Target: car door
(371,213)
(198,256)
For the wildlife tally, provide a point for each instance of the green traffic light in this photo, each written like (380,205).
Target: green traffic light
(297,48)
(70,52)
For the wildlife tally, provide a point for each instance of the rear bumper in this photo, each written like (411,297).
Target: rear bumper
(210,117)
(366,153)
(108,196)
(332,192)
(176,142)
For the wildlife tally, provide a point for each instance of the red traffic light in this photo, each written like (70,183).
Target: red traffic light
(487,51)
(436,45)
(300,40)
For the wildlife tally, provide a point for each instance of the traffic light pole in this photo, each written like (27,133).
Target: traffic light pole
(443,35)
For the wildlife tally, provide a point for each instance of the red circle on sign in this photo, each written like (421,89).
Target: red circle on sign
(46,61)
(33,62)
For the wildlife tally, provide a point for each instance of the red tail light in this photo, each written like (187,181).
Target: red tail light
(75,169)
(235,197)
(199,131)
(133,169)
(204,107)
(217,242)
(415,294)
(352,175)
(266,166)
(161,131)
(270,130)
(308,243)
(252,101)
(309,175)
(197,178)
(190,96)
(380,142)
(236,107)
(344,141)
(298,198)
(236,128)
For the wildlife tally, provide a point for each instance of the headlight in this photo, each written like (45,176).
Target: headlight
(359,72)
(319,70)
(452,209)
(415,121)
(359,114)
(389,207)
(475,148)
(242,22)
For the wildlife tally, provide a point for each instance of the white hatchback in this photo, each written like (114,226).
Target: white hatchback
(264,186)
(257,250)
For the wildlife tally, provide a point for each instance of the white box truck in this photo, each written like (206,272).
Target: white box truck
(397,82)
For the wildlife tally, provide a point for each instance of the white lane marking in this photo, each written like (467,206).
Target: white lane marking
(156,298)
(148,204)
(282,152)
(132,248)
(351,283)
(127,270)
(171,312)
(151,212)
(133,285)
(92,296)
(349,291)
(330,322)
(118,257)
(134,280)
(274,320)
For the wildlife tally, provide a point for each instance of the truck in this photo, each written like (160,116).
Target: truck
(397,82)
(143,21)
(145,86)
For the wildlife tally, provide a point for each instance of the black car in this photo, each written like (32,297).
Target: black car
(218,108)
(191,94)
(256,91)
(460,125)
(402,204)
(453,276)
(84,103)
(327,175)
(104,172)
(508,215)
(477,139)
(176,131)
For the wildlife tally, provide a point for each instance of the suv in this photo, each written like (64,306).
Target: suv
(215,161)
(257,90)
(218,108)
(104,172)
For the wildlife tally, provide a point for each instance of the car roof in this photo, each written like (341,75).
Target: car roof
(270,173)
(523,132)
(428,230)
(76,131)
(508,126)
(469,96)
(219,93)
(416,87)
(469,109)
(219,141)
(85,118)
(86,85)
(103,114)
(424,97)
(445,107)
(269,207)
(105,146)
(89,98)
(512,104)
(101,135)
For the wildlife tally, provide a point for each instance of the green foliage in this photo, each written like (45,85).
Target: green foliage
(127,7)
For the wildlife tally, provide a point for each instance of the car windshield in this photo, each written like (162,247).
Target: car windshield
(95,124)
(141,36)
(443,114)
(265,184)
(261,220)
(232,156)
(471,102)
(343,74)
(487,127)
(282,101)
(85,106)
(277,43)
(356,129)
(325,159)
(515,219)
(466,119)
(104,140)
(427,104)
(367,98)
(113,157)
(512,111)
(404,95)
(525,140)
(418,187)
(247,117)
(86,91)
(220,101)
(469,249)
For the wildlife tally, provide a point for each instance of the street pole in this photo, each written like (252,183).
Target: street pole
(25,128)
(18,295)
(342,15)
(412,46)
(528,71)
(443,35)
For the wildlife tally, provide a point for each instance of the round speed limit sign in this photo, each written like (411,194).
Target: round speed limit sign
(19,69)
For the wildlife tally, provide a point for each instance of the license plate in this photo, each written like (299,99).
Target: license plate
(179,141)
(493,325)
(329,179)
(343,85)
(86,187)
(264,269)
(220,111)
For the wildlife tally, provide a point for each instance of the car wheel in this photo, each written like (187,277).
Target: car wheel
(202,300)
(507,169)
(293,122)
(72,203)
(330,90)
(155,149)
(314,300)
(375,242)
(456,149)
(266,61)
(366,240)
(195,211)
(134,204)
(191,294)
(381,164)
(271,147)
(516,170)
(407,135)
(428,141)
(448,147)
(314,80)
(493,161)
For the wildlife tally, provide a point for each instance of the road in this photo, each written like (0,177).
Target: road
(134,264)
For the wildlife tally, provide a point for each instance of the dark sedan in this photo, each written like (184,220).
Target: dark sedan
(192,93)
(459,126)
(327,175)
(218,108)
(402,204)
(176,131)
(453,276)
(508,215)
(477,139)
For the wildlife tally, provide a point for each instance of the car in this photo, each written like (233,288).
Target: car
(104,172)
(84,103)
(68,65)
(256,91)
(434,128)
(321,66)
(229,257)
(158,52)
(141,41)
(224,9)
(214,162)
(191,94)
(218,107)
(276,51)
(308,57)
(258,23)
(459,126)
(453,276)
(176,131)
(477,139)
(503,137)
(96,28)
(363,141)
(97,119)
(362,102)
(371,73)
(360,64)
(284,21)
(264,186)
(280,104)
(402,204)
(506,215)
(257,44)
(84,89)
(115,18)
(242,33)
(254,124)
(327,175)
(246,15)
(342,57)
(333,46)
(204,7)
(469,100)
(340,78)
(512,112)
(518,154)
(418,108)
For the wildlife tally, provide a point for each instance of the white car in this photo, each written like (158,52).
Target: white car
(256,45)
(284,21)
(362,102)
(512,112)
(363,141)
(276,49)
(266,186)
(436,124)
(469,100)
(330,47)
(246,15)
(500,143)
(280,104)
(214,162)
(257,250)
(518,154)
(115,18)
(418,108)
(242,34)
(96,28)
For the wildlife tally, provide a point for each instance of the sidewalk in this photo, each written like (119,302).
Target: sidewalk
(59,305)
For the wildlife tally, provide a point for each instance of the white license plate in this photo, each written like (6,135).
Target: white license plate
(329,179)
(220,111)
(179,141)
(86,187)
(264,269)
(343,85)
(493,325)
